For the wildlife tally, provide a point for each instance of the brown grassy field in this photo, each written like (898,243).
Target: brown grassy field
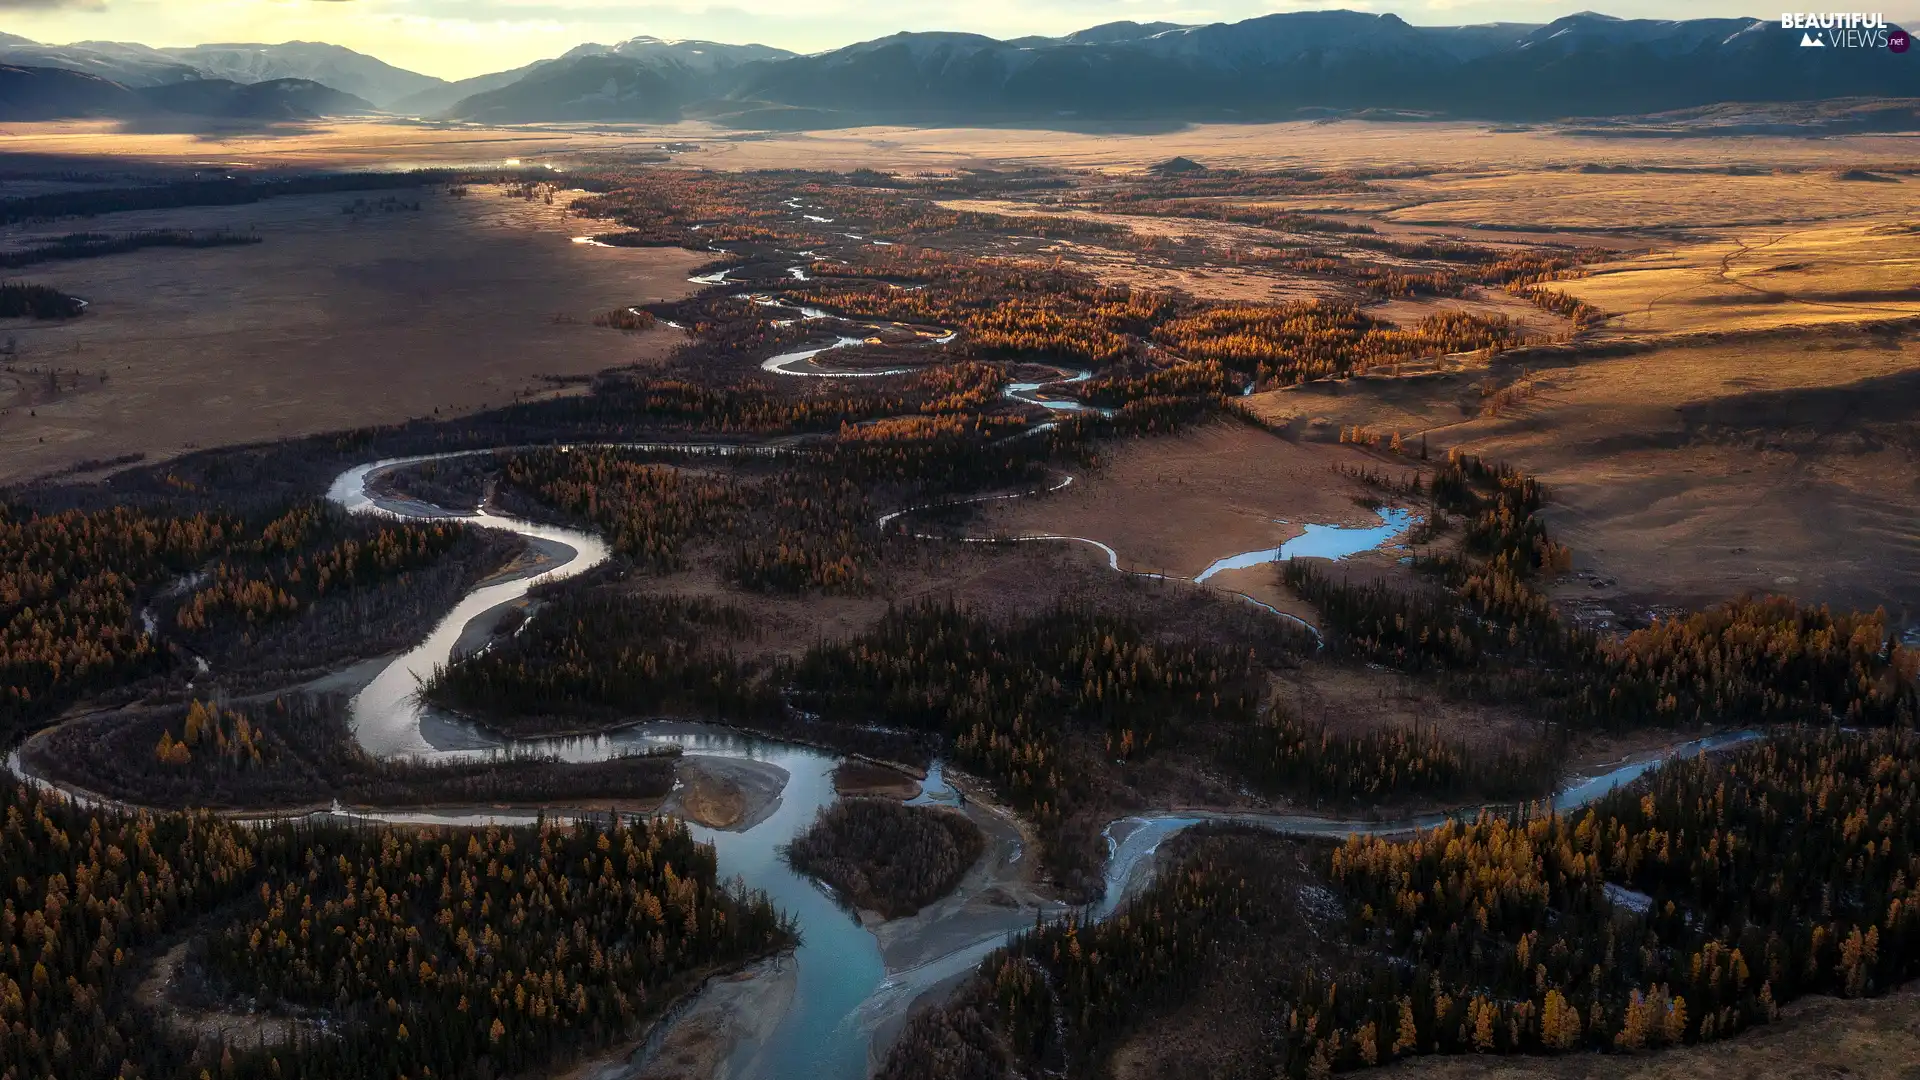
(1643,196)
(334,321)
(1218,265)
(1765,278)
(1818,1038)
(1174,505)
(1684,475)
(1117,147)
(1002,580)
(1691,473)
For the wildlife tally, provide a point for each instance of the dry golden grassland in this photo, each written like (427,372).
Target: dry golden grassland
(1116,147)
(1777,461)
(1787,462)
(1760,278)
(1781,191)
(333,321)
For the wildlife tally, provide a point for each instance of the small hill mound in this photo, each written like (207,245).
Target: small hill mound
(1176,167)
(38,93)
(276,99)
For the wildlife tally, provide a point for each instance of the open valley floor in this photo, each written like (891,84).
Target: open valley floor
(1208,600)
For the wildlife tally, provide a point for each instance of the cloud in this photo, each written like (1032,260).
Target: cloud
(53,5)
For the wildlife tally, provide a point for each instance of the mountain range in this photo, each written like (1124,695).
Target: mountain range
(43,93)
(1273,67)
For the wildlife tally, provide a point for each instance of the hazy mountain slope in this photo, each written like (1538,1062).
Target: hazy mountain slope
(643,78)
(1125,30)
(134,65)
(44,93)
(687,54)
(435,101)
(30,93)
(1593,65)
(343,69)
(602,87)
(129,65)
(275,99)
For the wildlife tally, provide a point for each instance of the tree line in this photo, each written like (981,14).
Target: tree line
(602,654)
(230,191)
(1052,710)
(68,593)
(423,952)
(21,299)
(1033,705)
(90,245)
(92,600)
(298,751)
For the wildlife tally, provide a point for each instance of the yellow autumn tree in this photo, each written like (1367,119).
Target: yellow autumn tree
(1559,1022)
(1407,1037)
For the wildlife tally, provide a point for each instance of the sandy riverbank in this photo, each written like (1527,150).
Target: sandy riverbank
(733,794)
(855,778)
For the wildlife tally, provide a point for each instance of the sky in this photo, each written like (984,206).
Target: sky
(457,38)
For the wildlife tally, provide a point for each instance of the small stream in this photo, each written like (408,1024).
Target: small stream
(1028,392)
(785,363)
(1132,842)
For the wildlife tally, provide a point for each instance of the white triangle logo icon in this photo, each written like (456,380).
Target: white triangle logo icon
(1808,41)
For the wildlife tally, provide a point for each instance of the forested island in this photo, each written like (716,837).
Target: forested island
(886,857)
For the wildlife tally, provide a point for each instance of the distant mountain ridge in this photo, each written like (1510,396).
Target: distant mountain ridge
(137,66)
(1272,67)
(585,88)
(641,79)
(132,66)
(686,53)
(341,68)
(39,93)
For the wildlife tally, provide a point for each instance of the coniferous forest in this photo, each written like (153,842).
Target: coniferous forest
(1684,909)
(387,951)
(885,856)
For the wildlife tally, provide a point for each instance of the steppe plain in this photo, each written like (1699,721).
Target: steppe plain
(1743,414)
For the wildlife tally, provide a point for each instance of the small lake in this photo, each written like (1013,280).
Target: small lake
(1321,542)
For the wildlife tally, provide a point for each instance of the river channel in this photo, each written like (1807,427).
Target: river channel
(845,995)
(844,992)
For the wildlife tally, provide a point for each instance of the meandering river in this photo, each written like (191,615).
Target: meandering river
(844,992)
